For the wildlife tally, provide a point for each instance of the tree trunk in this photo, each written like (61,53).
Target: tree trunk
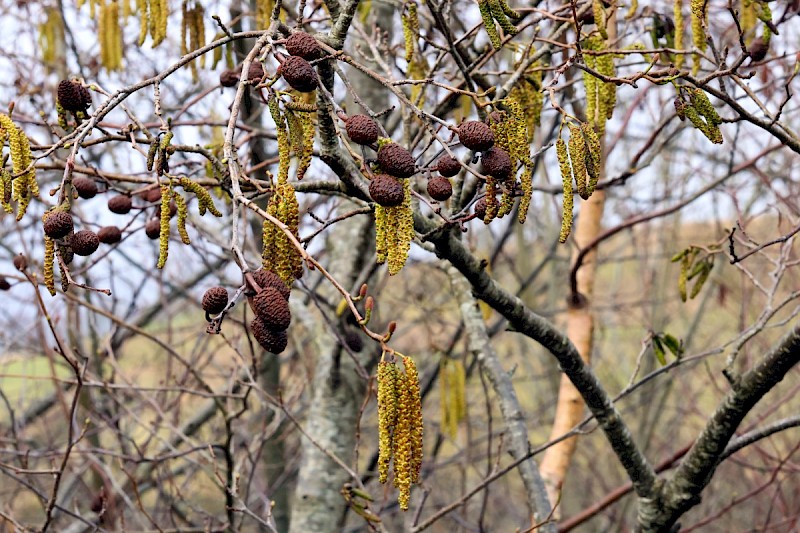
(518,445)
(580,328)
(337,393)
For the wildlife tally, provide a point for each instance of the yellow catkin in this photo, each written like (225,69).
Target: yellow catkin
(703,105)
(119,50)
(24,186)
(415,405)
(577,156)
(153,7)
(163,235)
(452,397)
(524,105)
(387,415)
(183,214)
(686,261)
(500,12)
(282,134)
(511,134)
(5,190)
(747,19)
(445,412)
(268,236)
(401,218)
(632,9)
(291,261)
(600,17)
(709,129)
(677,13)
(403,445)
(163,153)
(295,129)
(102,37)
(192,34)
(184,28)
(698,22)
(199,21)
(491,200)
(162,21)
(309,131)
(194,39)
(590,84)
(263,13)
(381,234)
(152,152)
(594,155)
(110,37)
(144,20)
(566,179)
(159,13)
(51,34)
(607,90)
(279,253)
(417,65)
(410,21)
(204,200)
(61,251)
(488,24)
(216,55)
(49,257)
(460,391)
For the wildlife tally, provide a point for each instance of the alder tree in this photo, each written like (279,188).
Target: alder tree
(366,265)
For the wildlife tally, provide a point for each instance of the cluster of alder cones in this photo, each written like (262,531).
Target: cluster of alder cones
(296,69)
(73,96)
(122,204)
(397,163)
(269,300)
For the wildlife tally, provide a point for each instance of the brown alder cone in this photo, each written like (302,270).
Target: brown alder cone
(272,340)
(120,205)
(272,308)
(386,190)
(84,242)
(396,161)
(109,235)
(440,188)
(215,300)
(362,129)
(58,224)
(266,278)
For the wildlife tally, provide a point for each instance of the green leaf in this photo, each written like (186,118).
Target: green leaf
(658,350)
(701,279)
(673,344)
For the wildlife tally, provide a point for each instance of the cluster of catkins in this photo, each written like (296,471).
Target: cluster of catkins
(400,425)
(270,303)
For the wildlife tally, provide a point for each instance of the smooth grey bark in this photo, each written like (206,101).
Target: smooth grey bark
(480,344)
(337,394)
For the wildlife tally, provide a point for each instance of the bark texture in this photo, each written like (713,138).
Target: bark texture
(337,394)
(682,491)
(480,344)
(536,327)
